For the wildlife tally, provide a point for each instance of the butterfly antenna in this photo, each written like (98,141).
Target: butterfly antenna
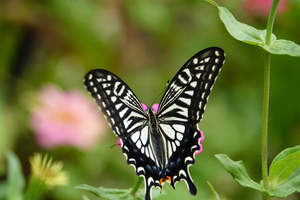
(114,145)
(161,92)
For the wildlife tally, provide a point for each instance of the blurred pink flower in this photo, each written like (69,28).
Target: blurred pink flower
(155,107)
(261,8)
(66,118)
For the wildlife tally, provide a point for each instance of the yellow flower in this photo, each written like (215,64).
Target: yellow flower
(47,171)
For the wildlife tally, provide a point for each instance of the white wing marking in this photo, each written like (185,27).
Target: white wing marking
(178,127)
(135,136)
(168,130)
(144,135)
(179,136)
(185,100)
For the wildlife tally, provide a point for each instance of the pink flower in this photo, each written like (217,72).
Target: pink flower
(66,118)
(201,140)
(261,8)
(119,142)
(155,107)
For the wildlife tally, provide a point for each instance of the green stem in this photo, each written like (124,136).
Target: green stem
(36,188)
(136,186)
(266,196)
(267,64)
(271,20)
(265,120)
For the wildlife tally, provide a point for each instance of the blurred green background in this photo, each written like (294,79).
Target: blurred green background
(145,43)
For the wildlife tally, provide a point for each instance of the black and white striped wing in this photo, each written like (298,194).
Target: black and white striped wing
(181,109)
(117,102)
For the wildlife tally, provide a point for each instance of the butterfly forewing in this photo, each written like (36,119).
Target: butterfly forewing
(187,94)
(117,102)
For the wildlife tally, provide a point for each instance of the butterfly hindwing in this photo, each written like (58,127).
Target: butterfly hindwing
(144,165)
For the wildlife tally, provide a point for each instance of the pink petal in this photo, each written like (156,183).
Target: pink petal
(155,107)
(119,142)
(201,139)
(144,106)
(66,118)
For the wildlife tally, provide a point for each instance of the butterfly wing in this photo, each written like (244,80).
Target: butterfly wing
(127,119)
(181,109)
(117,102)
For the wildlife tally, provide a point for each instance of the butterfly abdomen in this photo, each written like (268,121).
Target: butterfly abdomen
(156,141)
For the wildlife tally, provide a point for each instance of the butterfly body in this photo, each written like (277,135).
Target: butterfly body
(160,144)
(156,140)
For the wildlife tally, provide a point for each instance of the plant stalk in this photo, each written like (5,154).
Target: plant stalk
(266,97)
(36,188)
(271,20)
(136,186)
(265,120)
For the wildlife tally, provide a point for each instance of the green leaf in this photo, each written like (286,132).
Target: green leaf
(107,193)
(251,35)
(3,190)
(283,47)
(213,190)
(155,193)
(238,30)
(284,175)
(15,177)
(85,197)
(117,194)
(238,172)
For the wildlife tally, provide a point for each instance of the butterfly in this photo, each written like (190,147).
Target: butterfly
(160,145)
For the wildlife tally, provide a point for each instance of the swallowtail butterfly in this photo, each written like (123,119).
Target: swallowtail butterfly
(160,146)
